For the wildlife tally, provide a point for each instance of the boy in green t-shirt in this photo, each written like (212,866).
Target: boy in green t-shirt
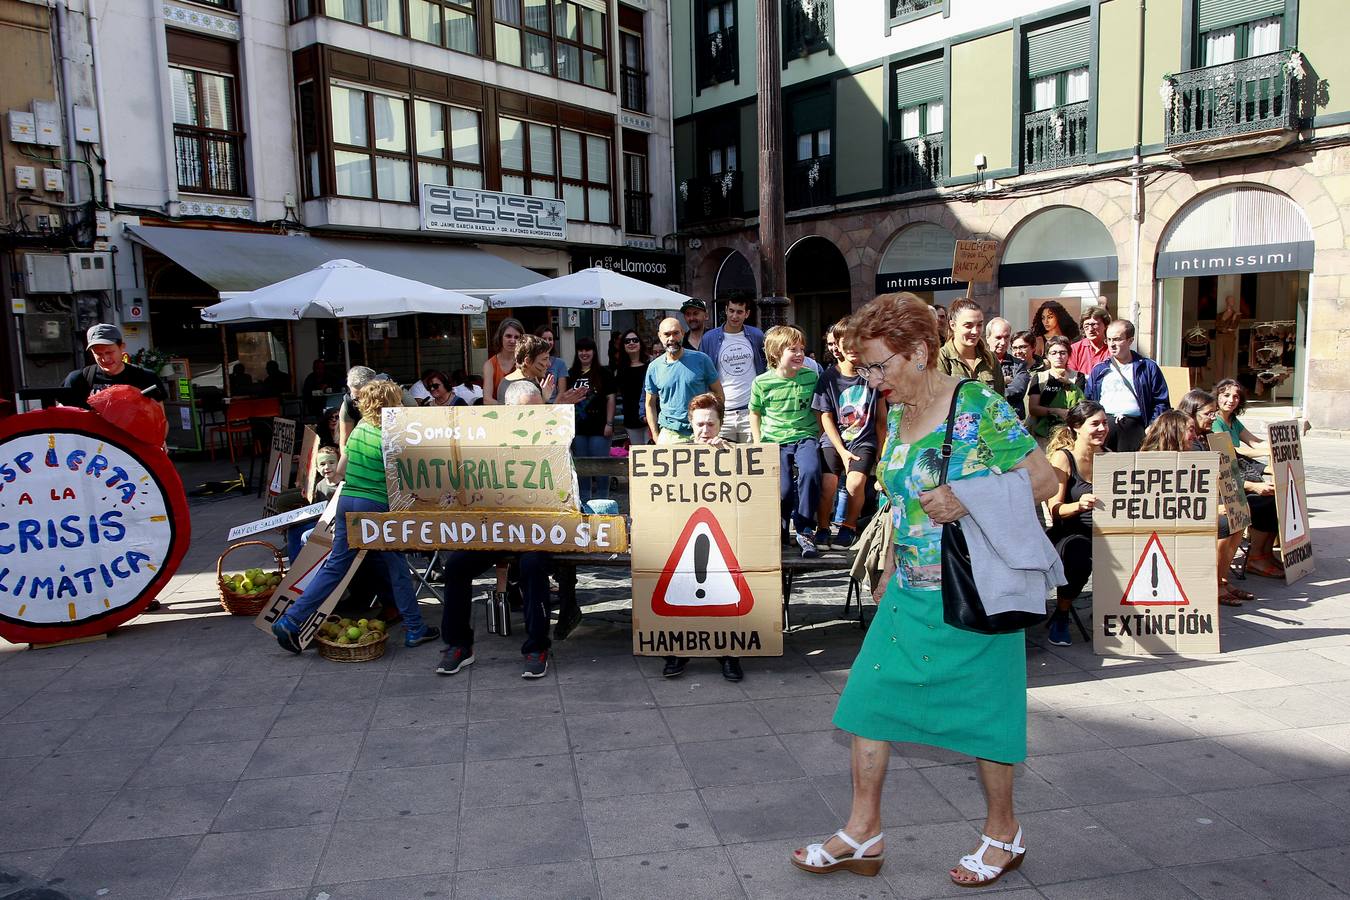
(780,413)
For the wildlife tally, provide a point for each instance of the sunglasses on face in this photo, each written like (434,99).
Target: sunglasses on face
(632,340)
(435,386)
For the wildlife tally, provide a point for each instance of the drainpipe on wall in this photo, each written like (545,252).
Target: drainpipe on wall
(67,103)
(1137,185)
(670,106)
(91,24)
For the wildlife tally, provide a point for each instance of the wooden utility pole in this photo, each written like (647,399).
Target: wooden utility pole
(769,84)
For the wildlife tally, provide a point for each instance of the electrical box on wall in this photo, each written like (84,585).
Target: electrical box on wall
(54,180)
(47,332)
(47,117)
(91,271)
(25,178)
(46,273)
(22,128)
(572,318)
(134,307)
(86,125)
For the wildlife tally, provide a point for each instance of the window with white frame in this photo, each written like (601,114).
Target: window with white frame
(1058,64)
(445,23)
(1230,30)
(528,158)
(371,150)
(586,177)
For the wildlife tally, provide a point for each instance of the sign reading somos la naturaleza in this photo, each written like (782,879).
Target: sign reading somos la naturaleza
(92,525)
(446,208)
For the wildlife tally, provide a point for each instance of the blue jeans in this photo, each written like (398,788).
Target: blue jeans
(592,487)
(396,584)
(806,454)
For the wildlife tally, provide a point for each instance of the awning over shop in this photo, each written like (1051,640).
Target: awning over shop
(232,261)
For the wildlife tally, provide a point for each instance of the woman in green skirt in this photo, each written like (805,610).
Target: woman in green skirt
(917,679)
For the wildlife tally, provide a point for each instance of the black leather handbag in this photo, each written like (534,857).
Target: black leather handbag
(961,604)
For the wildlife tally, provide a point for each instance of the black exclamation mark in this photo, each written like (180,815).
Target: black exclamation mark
(1155,574)
(702,546)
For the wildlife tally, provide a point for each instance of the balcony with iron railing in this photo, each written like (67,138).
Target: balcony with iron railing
(208,162)
(916,163)
(637,212)
(1239,99)
(1054,138)
(718,57)
(711,198)
(810,182)
(633,89)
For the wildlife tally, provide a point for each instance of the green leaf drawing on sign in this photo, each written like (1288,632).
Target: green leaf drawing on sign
(520,432)
(536,437)
(551,422)
(562,495)
(490,415)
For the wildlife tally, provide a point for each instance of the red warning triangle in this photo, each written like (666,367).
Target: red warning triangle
(1154,582)
(702,577)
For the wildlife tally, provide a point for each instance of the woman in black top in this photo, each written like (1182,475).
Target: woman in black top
(630,368)
(1071,509)
(594,416)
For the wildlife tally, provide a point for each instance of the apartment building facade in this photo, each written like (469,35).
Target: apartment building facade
(1183,161)
(475,145)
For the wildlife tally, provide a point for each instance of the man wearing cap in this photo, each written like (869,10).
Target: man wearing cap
(104,342)
(695,314)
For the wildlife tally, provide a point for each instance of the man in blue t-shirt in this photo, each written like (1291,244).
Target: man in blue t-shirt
(672,381)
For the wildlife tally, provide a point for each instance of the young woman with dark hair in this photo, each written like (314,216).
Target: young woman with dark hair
(1052,319)
(630,367)
(1072,455)
(595,416)
(1231,397)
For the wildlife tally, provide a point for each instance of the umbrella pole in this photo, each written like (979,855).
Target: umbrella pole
(346,349)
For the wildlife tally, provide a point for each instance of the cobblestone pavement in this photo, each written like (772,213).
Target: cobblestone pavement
(187,756)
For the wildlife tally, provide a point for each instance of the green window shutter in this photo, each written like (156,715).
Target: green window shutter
(813,111)
(1214,14)
(918,84)
(1059,49)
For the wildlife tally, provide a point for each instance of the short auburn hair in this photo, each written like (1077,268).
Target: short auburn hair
(780,338)
(527,348)
(706,401)
(902,321)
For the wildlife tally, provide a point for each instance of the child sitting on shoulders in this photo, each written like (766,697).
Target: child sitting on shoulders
(781,413)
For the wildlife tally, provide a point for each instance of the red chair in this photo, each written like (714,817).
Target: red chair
(238,425)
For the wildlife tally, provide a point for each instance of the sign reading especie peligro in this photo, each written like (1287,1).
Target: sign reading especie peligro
(92,525)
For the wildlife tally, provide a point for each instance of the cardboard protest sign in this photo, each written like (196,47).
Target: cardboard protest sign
(93,523)
(974,260)
(280,520)
(489,530)
(705,549)
(1178,380)
(278,473)
(454,458)
(1231,494)
(1154,579)
(309,448)
(298,578)
(1291,499)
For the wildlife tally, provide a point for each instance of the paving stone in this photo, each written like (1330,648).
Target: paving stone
(240,862)
(739,761)
(1200,765)
(35,738)
(1332,864)
(421,709)
(562,880)
(158,812)
(1070,845)
(651,823)
(765,873)
(608,697)
(35,862)
(694,689)
(1099,776)
(282,802)
(522,835)
(907,798)
(1284,817)
(422,683)
(355,683)
(618,730)
(1173,831)
(790,715)
(151,699)
(45,705)
(678,875)
(1216,716)
(279,757)
(1296,754)
(14,771)
(1056,732)
(388,848)
(74,773)
(1134,886)
(251,691)
(1332,790)
(134,870)
(414,791)
(229,724)
(1074,691)
(826,752)
(622,773)
(541,699)
(716,722)
(175,764)
(48,820)
(1301,666)
(424,887)
(1270,877)
(514,782)
(768,678)
(508,738)
(1229,675)
(122,732)
(1299,706)
(423,745)
(761,812)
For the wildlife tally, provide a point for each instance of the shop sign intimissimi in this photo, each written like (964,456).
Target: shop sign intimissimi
(931,280)
(1295,256)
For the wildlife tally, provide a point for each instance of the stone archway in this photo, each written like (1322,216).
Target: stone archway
(819,283)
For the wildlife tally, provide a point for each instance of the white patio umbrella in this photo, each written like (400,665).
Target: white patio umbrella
(594,288)
(340,289)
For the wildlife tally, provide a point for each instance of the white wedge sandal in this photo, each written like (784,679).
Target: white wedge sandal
(974,862)
(820,862)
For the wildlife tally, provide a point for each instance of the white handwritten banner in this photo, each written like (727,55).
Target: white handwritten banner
(92,524)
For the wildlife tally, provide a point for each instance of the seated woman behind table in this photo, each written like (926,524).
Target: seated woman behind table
(1072,452)
(1231,397)
(705,416)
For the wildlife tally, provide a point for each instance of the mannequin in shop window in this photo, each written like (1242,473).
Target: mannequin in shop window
(1226,338)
